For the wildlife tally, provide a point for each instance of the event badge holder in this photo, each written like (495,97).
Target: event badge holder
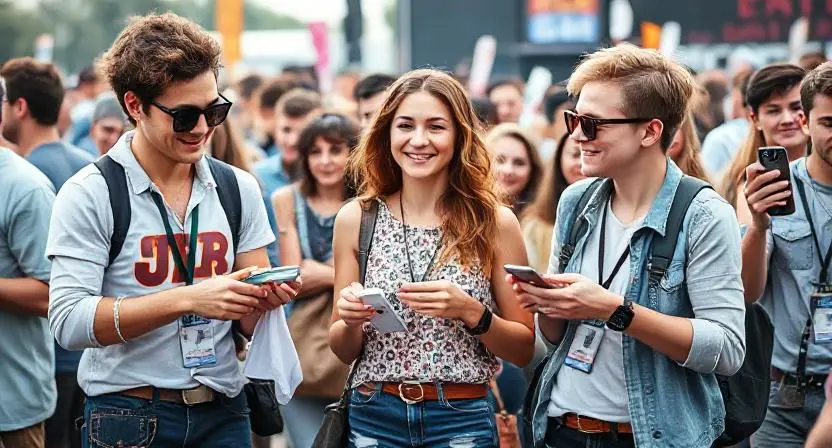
(590,333)
(196,334)
(818,325)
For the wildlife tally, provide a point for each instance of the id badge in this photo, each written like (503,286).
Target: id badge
(196,336)
(585,346)
(822,314)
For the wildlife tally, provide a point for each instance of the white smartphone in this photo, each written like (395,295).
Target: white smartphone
(386,320)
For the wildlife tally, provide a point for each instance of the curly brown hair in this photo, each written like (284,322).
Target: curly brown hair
(155,51)
(469,207)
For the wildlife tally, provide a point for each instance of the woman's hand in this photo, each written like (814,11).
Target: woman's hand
(351,309)
(441,299)
(574,297)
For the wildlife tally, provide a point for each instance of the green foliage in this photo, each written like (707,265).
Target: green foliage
(84,29)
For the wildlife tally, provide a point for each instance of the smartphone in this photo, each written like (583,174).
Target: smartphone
(776,158)
(527,275)
(282,274)
(386,320)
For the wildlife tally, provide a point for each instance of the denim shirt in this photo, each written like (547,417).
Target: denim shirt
(671,404)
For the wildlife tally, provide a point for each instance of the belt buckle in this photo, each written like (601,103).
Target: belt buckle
(586,431)
(413,400)
(198,395)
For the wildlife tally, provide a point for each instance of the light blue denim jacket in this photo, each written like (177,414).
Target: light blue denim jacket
(671,404)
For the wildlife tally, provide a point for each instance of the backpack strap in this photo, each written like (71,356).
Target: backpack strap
(369,213)
(662,248)
(577,226)
(228,191)
(119,202)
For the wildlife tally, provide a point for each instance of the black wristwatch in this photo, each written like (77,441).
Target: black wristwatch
(622,317)
(483,325)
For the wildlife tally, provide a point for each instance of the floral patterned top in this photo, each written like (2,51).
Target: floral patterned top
(432,349)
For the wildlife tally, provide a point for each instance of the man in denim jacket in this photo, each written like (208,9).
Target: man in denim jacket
(783,269)
(648,378)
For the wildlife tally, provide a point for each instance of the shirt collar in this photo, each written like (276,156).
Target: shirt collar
(138,179)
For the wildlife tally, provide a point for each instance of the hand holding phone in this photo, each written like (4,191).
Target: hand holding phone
(385,320)
(527,275)
(777,158)
(768,186)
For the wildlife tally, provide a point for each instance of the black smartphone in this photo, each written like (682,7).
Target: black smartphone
(776,158)
(527,275)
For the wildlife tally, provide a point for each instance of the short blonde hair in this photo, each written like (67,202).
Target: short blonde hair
(651,84)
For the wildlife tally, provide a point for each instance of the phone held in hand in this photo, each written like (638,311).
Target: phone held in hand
(776,158)
(386,320)
(527,275)
(282,274)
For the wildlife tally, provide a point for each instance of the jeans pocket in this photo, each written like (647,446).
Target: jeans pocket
(121,428)
(364,395)
(238,405)
(469,406)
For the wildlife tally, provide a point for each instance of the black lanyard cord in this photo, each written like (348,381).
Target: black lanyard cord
(178,259)
(606,284)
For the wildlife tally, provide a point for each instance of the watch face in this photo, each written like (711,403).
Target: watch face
(620,319)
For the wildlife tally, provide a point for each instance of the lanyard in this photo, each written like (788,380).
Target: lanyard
(617,267)
(824,269)
(187,271)
(407,250)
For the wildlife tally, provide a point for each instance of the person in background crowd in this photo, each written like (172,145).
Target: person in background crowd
(345,83)
(246,102)
(139,320)
(293,112)
(89,86)
(554,104)
(227,145)
(108,123)
(516,164)
(650,378)
(264,120)
(439,246)
(486,112)
(305,75)
(507,97)
(777,119)
(786,268)
(821,434)
(71,98)
(723,142)
(369,93)
(538,219)
(305,214)
(27,360)
(810,61)
(684,150)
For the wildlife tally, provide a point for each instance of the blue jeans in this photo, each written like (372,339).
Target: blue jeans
(786,428)
(116,420)
(379,419)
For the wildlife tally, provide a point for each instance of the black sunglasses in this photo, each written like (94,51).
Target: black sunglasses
(589,125)
(185,118)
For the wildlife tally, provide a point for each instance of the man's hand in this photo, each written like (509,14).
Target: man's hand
(574,297)
(227,297)
(762,193)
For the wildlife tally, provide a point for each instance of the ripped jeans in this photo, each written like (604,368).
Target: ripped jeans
(379,419)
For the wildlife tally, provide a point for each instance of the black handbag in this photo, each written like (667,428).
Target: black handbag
(264,412)
(335,427)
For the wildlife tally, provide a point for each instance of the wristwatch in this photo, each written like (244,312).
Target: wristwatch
(483,325)
(621,318)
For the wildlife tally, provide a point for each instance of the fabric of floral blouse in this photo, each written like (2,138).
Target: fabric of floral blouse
(433,349)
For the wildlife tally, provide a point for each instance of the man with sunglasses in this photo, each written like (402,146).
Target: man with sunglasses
(160,366)
(638,343)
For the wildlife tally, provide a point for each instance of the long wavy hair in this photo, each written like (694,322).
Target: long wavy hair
(468,208)
(512,130)
(689,159)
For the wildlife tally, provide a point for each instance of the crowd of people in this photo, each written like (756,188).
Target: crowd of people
(593,279)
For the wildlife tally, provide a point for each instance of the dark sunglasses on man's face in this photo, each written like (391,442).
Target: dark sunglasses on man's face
(185,118)
(589,125)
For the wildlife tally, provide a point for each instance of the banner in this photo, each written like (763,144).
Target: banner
(563,21)
(320,40)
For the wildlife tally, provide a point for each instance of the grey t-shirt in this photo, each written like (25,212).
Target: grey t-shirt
(27,369)
(79,244)
(602,393)
(793,268)
(59,161)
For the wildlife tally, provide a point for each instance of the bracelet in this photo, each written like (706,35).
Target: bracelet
(116,307)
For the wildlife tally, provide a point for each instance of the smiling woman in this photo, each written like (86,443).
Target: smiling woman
(440,241)
(517,164)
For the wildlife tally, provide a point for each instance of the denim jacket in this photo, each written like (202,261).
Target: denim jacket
(671,404)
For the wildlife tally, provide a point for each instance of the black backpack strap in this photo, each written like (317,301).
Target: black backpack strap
(369,213)
(119,202)
(661,249)
(228,191)
(577,227)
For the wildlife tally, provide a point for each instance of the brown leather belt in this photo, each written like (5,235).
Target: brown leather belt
(413,393)
(591,425)
(190,397)
(812,381)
